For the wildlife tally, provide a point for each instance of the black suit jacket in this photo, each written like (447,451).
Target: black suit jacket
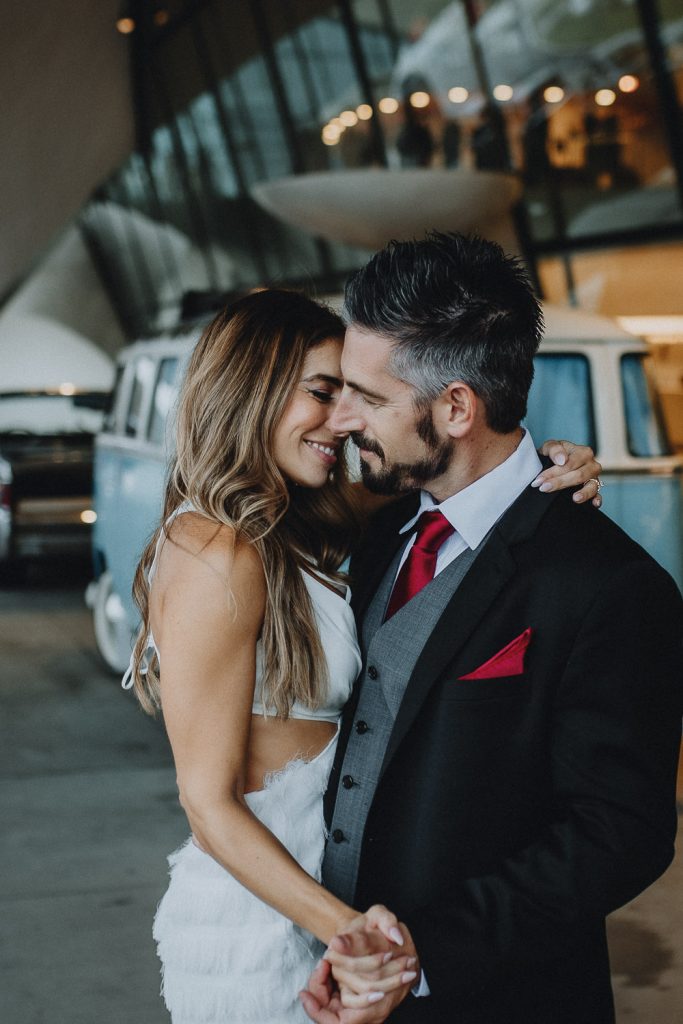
(513,814)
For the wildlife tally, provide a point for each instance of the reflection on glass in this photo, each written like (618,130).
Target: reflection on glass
(560,400)
(164,396)
(561,91)
(144,373)
(566,93)
(645,433)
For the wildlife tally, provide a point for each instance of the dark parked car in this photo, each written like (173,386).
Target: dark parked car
(46,461)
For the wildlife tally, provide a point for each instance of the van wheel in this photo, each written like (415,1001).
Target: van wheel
(112,633)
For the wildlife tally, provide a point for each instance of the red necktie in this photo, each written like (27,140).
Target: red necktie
(418,569)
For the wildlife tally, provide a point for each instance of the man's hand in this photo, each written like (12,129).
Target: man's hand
(370,975)
(321,1000)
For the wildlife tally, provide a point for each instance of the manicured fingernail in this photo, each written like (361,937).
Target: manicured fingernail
(411,961)
(386,958)
(545,487)
(560,460)
(396,936)
(537,482)
(374,997)
(578,497)
(408,976)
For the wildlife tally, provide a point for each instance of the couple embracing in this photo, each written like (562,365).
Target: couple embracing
(443,769)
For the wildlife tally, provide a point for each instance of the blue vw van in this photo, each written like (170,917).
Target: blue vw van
(592,384)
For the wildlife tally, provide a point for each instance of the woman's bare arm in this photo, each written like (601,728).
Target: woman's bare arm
(207,610)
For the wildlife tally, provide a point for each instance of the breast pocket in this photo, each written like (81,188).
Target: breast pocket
(501,688)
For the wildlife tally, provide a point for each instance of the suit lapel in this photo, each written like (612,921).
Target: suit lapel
(492,570)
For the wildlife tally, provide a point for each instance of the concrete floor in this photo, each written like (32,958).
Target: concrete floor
(89,810)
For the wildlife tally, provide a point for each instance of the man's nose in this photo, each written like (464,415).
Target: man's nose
(343,418)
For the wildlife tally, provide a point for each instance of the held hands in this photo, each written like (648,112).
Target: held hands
(575,465)
(366,972)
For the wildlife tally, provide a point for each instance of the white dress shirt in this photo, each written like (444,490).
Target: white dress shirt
(472,512)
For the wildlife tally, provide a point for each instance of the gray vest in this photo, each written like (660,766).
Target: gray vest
(390,651)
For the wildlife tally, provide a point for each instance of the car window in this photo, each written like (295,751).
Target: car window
(561,399)
(645,432)
(162,402)
(142,381)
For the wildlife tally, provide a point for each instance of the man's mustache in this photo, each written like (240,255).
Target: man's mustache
(361,441)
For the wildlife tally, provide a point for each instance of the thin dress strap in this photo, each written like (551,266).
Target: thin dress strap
(127,681)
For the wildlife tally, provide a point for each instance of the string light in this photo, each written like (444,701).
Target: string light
(628,83)
(553,94)
(348,118)
(364,112)
(503,93)
(388,105)
(419,99)
(125,26)
(605,97)
(331,134)
(458,94)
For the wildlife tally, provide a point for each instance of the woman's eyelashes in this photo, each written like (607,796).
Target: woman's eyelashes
(322,396)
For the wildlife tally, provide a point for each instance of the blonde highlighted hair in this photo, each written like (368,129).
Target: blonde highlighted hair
(239,380)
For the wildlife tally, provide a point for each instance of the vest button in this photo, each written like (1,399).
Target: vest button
(347,781)
(372,672)
(361,727)
(338,835)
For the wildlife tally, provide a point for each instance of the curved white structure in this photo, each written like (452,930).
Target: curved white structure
(39,354)
(368,207)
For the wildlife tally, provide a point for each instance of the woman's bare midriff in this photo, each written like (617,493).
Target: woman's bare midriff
(273,743)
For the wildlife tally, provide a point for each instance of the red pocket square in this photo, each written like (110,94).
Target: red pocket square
(508,662)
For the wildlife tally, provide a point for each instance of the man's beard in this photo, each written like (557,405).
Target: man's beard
(400,477)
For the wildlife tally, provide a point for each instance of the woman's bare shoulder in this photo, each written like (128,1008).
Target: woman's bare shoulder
(194,541)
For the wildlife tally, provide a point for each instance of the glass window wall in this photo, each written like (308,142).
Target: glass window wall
(565,94)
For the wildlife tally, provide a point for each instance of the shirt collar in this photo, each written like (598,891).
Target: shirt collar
(474,510)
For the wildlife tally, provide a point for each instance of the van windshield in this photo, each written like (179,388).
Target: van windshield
(645,431)
(560,400)
(44,414)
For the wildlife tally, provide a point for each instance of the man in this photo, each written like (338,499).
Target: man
(505,776)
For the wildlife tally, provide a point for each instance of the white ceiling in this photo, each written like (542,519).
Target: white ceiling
(66,118)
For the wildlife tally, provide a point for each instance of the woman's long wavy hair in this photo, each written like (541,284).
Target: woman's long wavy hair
(239,380)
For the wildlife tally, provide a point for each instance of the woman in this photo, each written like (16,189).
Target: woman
(246,610)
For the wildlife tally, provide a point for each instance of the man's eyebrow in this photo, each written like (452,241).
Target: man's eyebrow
(365,391)
(325,377)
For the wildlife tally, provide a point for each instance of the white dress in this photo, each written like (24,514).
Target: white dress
(227,957)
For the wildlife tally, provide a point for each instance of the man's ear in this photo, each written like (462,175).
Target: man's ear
(459,407)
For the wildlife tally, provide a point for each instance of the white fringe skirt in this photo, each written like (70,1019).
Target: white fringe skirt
(227,957)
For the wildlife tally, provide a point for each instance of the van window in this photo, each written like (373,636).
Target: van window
(142,381)
(162,402)
(645,432)
(109,424)
(561,399)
